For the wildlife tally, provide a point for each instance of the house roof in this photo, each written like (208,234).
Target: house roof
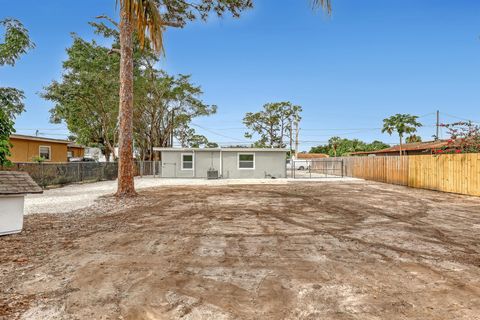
(75,145)
(220,149)
(312,155)
(417,146)
(35,138)
(17,182)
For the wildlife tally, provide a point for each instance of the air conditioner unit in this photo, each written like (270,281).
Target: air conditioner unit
(212,174)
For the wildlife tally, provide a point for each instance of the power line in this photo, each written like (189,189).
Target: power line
(216,133)
(459,118)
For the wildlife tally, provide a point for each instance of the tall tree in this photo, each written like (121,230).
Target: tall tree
(153,16)
(402,124)
(86,98)
(272,124)
(143,16)
(334,142)
(16,43)
(164,106)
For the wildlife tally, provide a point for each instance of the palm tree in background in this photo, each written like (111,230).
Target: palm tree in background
(144,18)
(335,143)
(413,139)
(402,124)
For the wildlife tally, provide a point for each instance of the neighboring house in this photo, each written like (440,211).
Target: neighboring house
(417,148)
(13,188)
(234,163)
(75,150)
(27,148)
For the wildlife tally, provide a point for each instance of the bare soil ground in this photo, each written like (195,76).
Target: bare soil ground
(355,250)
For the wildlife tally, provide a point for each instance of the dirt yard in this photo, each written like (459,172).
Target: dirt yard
(347,250)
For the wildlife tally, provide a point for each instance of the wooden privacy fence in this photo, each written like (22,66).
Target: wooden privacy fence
(457,173)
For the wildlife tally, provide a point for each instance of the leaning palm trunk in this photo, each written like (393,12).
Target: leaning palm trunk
(125,149)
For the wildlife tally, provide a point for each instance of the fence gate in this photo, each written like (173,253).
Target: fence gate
(316,168)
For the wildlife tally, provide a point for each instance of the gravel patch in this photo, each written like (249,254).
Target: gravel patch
(73,197)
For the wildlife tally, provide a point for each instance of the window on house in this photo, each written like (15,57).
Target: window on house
(44,152)
(69,154)
(246,161)
(187,161)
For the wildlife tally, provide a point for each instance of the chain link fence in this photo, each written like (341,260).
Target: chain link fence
(49,174)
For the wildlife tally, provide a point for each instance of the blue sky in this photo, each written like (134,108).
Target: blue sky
(371,59)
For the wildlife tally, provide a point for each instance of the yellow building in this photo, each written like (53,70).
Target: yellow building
(27,148)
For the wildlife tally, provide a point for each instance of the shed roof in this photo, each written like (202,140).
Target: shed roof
(221,149)
(17,182)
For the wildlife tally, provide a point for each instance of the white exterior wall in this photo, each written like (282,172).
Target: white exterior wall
(267,164)
(11,214)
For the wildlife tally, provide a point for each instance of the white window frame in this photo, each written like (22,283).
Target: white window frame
(246,153)
(193,161)
(49,152)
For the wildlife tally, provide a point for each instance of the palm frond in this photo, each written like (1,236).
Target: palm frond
(324,4)
(147,21)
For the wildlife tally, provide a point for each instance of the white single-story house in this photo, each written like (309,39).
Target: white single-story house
(14,185)
(228,163)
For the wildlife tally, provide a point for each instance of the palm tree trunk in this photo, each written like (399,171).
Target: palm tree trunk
(126,186)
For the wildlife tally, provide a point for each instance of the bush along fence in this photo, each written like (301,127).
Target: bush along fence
(48,174)
(456,173)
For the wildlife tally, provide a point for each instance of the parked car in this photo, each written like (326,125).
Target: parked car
(298,164)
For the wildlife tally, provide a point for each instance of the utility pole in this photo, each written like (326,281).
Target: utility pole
(291,138)
(437,134)
(296,136)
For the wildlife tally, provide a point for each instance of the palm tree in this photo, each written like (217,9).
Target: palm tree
(142,16)
(324,4)
(402,124)
(413,139)
(335,143)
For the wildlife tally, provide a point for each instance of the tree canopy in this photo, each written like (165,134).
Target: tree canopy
(413,139)
(343,147)
(86,98)
(273,124)
(16,43)
(6,129)
(402,124)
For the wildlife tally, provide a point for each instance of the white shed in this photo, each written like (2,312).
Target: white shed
(14,185)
